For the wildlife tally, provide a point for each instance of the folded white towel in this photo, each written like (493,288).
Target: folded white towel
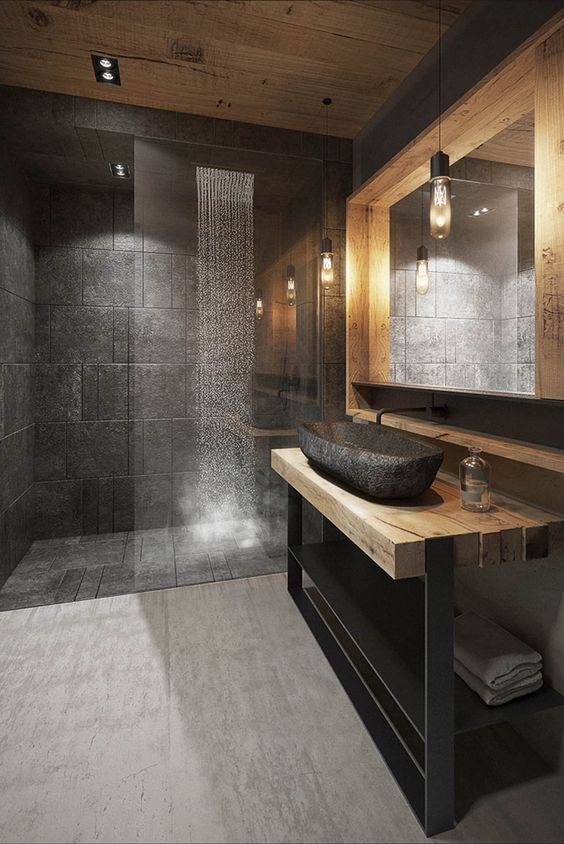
(497,697)
(490,653)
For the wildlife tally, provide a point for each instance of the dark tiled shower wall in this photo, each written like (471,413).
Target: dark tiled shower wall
(112,439)
(16,367)
(114,379)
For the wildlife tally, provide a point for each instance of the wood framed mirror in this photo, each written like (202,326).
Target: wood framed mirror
(494,314)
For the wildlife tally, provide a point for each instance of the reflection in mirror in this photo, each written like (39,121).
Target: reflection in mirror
(472,327)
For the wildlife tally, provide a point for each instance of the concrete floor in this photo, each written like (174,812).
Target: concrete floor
(208,713)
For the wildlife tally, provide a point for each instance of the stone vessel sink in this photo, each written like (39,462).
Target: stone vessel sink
(377,461)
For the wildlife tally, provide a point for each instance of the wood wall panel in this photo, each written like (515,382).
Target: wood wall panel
(379,283)
(357,298)
(549,217)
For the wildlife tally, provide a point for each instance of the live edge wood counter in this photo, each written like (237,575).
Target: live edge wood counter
(393,534)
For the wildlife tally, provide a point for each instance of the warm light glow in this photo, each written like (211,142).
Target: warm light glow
(440,212)
(422,277)
(326,270)
(291,292)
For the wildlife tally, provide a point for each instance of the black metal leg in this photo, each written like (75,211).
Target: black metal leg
(294,536)
(439,686)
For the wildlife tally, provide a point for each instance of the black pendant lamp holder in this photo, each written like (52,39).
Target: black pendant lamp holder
(440,166)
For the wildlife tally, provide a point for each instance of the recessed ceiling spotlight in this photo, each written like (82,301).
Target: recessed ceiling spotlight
(120,171)
(106,69)
(479,212)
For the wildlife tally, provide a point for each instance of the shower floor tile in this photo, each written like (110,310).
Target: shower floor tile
(78,568)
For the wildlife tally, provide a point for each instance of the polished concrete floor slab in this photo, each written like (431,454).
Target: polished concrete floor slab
(208,714)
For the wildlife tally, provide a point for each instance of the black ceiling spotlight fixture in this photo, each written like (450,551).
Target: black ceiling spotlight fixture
(120,171)
(106,69)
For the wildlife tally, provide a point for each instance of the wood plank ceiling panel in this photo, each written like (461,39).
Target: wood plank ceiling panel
(515,145)
(259,61)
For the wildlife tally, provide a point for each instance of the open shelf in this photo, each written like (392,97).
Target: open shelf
(385,620)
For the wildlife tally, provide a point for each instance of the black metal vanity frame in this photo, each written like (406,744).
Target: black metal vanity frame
(390,642)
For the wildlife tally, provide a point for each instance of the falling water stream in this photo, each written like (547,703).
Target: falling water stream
(226,341)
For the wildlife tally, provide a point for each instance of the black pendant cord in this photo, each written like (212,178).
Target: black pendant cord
(440,72)
(326,103)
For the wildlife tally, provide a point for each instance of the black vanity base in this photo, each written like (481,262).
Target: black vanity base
(390,642)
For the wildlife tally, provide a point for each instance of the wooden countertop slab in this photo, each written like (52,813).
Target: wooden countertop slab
(393,534)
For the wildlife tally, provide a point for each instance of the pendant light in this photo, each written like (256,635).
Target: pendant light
(259,307)
(422,263)
(440,206)
(291,285)
(327,258)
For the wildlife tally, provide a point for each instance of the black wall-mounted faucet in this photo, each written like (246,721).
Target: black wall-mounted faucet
(431,411)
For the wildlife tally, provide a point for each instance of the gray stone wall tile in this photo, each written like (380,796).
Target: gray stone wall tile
(397,340)
(157,446)
(142,502)
(185,444)
(526,293)
(16,465)
(195,128)
(89,392)
(525,378)
(156,391)
(179,281)
(81,334)
(185,498)
(95,449)
(108,277)
(50,451)
(425,340)
(82,217)
(474,340)
(191,281)
(89,506)
(42,350)
(478,170)
(58,275)
(106,506)
(58,393)
(18,395)
(135,120)
(135,448)
(192,337)
(425,373)
(121,320)
(334,329)
(526,229)
(526,339)
(57,508)
(157,336)
(334,399)
(124,222)
(266,138)
(113,391)
(157,280)
(463,293)
(17,327)
(513,175)
(508,350)
(223,132)
(338,188)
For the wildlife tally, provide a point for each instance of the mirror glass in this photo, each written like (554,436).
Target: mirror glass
(473,328)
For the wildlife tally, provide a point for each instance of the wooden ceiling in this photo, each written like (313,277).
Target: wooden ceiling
(259,61)
(515,145)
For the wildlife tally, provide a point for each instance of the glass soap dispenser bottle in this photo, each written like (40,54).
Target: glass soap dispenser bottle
(475,482)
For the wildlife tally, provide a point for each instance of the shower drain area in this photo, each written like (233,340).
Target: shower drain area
(80,568)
